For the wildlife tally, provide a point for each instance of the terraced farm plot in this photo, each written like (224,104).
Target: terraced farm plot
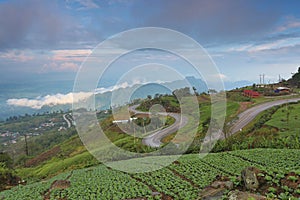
(167,183)
(35,191)
(183,179)
(280,159)
(102,182)
(227,163)
(195,170)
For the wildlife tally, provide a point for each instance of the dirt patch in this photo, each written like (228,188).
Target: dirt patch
(291,180)
(176,162)
(244,106)
(8,180)
(42,157)
(58,184)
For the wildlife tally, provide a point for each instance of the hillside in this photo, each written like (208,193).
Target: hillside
(71,164)
(184,179)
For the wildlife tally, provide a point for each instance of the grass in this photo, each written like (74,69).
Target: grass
(263,99)
(231,110)
(286,119)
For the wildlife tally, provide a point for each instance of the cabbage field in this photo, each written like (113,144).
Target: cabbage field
(183,179)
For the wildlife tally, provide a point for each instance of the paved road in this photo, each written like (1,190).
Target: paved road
(244,118)
(154,140)
(248,115)
(67,120)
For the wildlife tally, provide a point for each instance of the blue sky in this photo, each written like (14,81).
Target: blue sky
(50,39)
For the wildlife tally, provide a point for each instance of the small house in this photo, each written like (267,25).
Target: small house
(282,90)
(251,93)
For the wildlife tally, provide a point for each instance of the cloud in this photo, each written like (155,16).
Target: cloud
(16,55)
(59,67)
(69,98)
(87,4)
(49,100)
(34,24)
(229,20)
(70,55)
(39,24)
(65,60)
(269,45)
(122,85)
(69,66)
(291,23)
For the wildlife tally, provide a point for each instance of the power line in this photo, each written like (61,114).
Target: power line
(262,79)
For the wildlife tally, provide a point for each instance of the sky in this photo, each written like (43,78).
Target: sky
(48,40)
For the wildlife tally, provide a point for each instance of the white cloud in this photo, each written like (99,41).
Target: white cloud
(85,4)
(122,86)
(62,99)
(71,55)
(292,23)
(50,100)
(265,46)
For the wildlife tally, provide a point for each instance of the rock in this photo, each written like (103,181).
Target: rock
(250,179)
(222,184)
(239,195)
(228,185)
(60,184)
(211,193)
(155,193)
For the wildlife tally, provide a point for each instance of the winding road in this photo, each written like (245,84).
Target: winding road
(244,118)
(154,140)
(248,115)
(67,120)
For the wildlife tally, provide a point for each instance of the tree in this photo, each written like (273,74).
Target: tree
(195,91)
(6,159)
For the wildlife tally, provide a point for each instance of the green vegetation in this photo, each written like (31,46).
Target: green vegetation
(169,102)
(286,119)
(61,155)
(183,179)
(277,127)
(27,136)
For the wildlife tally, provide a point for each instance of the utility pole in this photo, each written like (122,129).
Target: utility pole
(260,79)
(263,78)
(26,145)
(279,80)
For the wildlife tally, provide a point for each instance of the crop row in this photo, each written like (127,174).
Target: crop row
(102,183)
(227,163)
(192,168)
(279,159)
(164,181)
(31,191)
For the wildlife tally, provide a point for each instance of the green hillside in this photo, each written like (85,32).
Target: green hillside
(82,176)
(184,179)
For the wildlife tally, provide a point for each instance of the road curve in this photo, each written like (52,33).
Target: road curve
(67,120)
(248,115)
(154,140)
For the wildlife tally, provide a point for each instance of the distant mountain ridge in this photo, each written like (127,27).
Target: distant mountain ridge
(102,99)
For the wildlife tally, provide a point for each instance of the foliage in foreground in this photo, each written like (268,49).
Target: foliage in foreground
(183,179)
